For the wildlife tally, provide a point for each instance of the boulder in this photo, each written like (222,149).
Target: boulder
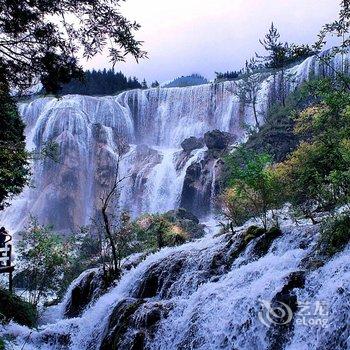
(192,143)
(218,140)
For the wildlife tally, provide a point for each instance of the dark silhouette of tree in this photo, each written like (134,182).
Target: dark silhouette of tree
(279,56)
(40,42)
(106,82)
(14,167)
(40,39)
(227,76)
(144,84)
(248,87)
(155,84)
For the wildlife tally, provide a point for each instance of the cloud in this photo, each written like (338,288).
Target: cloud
(204,36)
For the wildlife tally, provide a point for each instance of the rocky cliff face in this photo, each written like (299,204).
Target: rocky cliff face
(153,123)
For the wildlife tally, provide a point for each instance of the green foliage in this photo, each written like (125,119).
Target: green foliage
(280,54)
(248,87)
(43,256)
(2,344)
(227,76)
(14,308)
(256,188)
(335,234)
(41,41)
(14,167)
(252,233)
(276,136)
(105,82)
(316,174)
(157,231)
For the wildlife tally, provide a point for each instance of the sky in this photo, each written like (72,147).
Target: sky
(204,36)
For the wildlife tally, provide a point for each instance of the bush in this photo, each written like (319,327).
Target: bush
(14,308)
(2,344)
(254,186)
(335,234)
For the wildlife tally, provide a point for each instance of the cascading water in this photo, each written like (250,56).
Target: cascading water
(153,121)
(209,294)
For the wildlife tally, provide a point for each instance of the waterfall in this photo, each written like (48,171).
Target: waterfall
(153,122)
(209,295)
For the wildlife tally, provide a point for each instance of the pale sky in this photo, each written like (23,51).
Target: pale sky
(204,36)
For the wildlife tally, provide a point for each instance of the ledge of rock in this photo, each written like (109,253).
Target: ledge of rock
(218,140)
(192,143)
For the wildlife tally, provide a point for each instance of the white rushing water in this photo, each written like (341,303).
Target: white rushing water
(212,306)
(154,122)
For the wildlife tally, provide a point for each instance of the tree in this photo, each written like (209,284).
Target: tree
(248,87)
(117,231)
(155,84)
(14,165)
(253,185)
(100,83)
(144,84)
(276,59)
(40,40)
(316,175)
(43,256)
(340,28)
(227,76)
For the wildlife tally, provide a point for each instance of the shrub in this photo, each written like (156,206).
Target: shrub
(335,234)
(254,183)
(14,308)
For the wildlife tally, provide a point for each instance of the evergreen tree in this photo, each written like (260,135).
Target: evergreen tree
(105,82)
(248,87)
(144,84)
(14,167)
(155,84)
(276,59)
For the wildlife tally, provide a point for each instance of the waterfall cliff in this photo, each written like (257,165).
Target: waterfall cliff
(153,123)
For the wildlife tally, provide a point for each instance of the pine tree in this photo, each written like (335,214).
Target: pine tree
(155,84)
(277,58)
(144,84)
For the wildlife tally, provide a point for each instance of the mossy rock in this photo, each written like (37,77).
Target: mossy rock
(266,241)
(14,308)
(255,231)
(248,238)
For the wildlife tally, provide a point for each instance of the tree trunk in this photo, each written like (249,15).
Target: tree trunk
(110,238)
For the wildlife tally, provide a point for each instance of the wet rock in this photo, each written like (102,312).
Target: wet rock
(150,284)
(264,243)
(119,323)
(192,143)
(280,331)
(89,288)
(56,340)
(218,140)
(132,323)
